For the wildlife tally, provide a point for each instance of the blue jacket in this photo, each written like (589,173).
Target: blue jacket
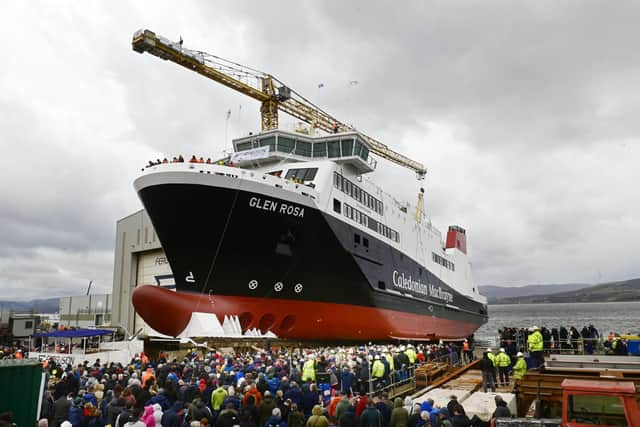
(232,399)
(385,413)
(295,394)
(76,416)
(347,381)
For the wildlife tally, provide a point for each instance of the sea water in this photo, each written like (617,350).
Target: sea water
(620,317)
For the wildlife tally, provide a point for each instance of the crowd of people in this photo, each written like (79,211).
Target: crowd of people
(565,340)
(193,159)
(301,388)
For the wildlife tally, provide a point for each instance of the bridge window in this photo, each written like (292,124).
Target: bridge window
(303,148)
(333,148)
(242,146)
(285,144)
(347,147)
(270,141)
(320,149)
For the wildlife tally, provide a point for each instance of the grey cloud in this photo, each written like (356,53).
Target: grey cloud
(525,115)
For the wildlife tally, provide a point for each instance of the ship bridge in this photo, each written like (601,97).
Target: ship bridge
(282,146)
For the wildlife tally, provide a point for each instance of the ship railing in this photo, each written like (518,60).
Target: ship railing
(403,380)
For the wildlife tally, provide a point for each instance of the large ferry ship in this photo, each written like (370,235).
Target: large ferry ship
(293,236)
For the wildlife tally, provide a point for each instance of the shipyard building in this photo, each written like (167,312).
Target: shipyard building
(139,260)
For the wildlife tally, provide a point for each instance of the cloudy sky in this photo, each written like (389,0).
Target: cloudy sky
(527,115)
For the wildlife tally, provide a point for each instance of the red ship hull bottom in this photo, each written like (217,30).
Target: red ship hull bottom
(169,312)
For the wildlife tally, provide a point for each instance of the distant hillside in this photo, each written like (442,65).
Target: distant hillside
(50,305)
(494,293)
(626,290)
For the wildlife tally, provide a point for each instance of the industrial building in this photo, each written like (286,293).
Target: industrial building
(85,311)
(139,260)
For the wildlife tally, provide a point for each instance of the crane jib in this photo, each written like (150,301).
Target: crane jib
(272,93)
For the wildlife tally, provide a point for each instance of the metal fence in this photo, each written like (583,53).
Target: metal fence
(401,380)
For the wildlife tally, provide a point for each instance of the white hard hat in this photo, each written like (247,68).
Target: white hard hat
(501,350)
(519,354)
(377,357)
(489,350)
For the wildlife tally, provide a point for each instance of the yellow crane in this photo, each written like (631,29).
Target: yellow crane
(272,94)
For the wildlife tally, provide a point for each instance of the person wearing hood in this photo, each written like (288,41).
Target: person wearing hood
(276,419)
(147,416)
(317,419)
(399,415)
(265,411)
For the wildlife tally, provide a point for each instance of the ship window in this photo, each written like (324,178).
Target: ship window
(270,141)
(347,147)
(241,146)
(307,174)
(276,173)
(320,149)
(303,148)
(337,206)
(382,285)
(373,224)
(357,148)
(285,144)
(364,153)
(365,242)
(356,239)
(333,148)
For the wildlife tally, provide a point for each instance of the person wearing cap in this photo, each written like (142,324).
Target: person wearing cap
(535,346)
(520,368)
(503,361)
